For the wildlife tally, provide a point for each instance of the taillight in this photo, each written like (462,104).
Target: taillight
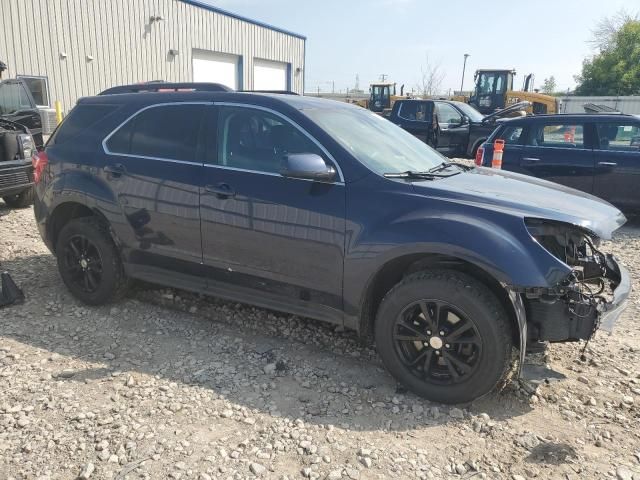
(39,160)
(479,156)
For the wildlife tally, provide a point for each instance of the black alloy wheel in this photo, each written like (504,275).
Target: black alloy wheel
(437,342)
(444,335)
(89,261)
(83,263)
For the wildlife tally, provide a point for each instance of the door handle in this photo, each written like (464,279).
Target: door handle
(222,190)
(607,164)
(115,170)
(530,159)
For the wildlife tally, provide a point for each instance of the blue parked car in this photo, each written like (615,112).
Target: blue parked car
(595,153)
(325,210)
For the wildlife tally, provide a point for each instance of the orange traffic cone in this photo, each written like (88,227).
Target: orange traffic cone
(570,135)
(498,148)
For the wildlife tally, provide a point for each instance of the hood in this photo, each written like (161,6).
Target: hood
(11,124)
(525,196)
(492,117)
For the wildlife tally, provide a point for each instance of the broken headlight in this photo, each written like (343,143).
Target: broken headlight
(567,243)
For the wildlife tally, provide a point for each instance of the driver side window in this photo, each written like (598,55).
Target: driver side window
(448,115)
(251,139)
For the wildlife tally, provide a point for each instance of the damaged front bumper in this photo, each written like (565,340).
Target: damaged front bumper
(563,318)
(572,311)
(609,312)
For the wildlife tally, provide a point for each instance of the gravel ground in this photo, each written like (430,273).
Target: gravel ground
(167,384)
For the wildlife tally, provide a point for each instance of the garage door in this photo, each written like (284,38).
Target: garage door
(269,75)
(216,67)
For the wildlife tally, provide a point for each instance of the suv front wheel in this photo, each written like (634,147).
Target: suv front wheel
(444,335)
(89,262)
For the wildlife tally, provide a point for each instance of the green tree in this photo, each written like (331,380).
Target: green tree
(615,70)
(549,85)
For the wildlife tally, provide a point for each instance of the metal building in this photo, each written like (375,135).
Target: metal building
(630,104)
(67,49)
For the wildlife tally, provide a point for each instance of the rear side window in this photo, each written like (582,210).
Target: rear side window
(166,131)
(619,137)
(559,135)
(79,119)
(413,111)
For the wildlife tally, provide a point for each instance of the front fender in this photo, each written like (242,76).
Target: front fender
(473,147)
(497,243)
(500,245)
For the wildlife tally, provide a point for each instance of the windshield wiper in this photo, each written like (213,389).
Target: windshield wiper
(411,174)
(432,172)
(445,165)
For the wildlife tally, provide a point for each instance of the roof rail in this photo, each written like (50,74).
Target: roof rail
(157,86)
(281,92)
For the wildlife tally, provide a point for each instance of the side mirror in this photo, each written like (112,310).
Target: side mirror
(465,120)
(308,166)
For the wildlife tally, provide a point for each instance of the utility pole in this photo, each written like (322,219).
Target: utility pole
(464,66)
(383,77)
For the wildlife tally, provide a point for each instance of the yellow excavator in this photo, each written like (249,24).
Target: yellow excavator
(382,96)
(494,91)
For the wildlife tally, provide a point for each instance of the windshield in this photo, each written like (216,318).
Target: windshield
(374,141)
(380,97)
(13,98)
(473,114)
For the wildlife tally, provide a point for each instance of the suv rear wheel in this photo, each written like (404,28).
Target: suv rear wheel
(89,262)
(444,335)
(20,200)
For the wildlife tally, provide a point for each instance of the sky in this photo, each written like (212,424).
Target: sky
(400,37)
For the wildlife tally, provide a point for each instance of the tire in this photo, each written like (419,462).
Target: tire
(475,148)
(101,278)
(20,200)
(465,363)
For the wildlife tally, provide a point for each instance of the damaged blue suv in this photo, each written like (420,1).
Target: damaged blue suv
(326,210)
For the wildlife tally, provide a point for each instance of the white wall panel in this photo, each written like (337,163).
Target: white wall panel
(268,75)
(216,67)
(126,47)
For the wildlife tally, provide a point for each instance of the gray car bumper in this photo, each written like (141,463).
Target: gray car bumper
(610,312)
